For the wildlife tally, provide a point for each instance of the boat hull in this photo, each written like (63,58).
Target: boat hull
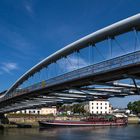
(44,124)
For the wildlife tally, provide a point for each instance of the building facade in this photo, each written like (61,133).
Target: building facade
(99,106)
(41,111)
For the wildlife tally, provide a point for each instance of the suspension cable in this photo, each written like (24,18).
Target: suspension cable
(56,70)
(119,45)
(69,61)
(110,46)
(99,52)
(93,53)
(136,39)
(46,73)
(78,59)
(89,54)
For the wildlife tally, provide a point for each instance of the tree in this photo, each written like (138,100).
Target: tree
(78,108)
(135,106)
(129,106)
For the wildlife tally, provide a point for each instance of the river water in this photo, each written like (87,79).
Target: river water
(130,132)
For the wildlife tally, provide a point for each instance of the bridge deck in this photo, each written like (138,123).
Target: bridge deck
(114,69)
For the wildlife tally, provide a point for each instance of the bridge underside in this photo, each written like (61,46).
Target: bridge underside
(97,80)
(78,90)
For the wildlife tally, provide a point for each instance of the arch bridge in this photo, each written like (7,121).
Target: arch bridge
(103,64)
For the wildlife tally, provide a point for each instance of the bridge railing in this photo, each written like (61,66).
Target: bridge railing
(121,61)
(94,69)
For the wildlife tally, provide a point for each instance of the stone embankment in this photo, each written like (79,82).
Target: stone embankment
(32,120)
(21,120)
(28,119)
(133,120)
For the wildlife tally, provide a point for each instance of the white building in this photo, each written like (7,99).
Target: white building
(51,110)
(41,111)
(99,106)
(122,112)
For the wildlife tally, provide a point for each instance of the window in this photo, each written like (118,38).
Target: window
(97,107)
(101,103)
(97,103)
(92,107)
(101,112)
(105,107)
(97,112)
(101,107)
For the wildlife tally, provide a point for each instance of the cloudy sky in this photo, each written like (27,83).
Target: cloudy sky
(30,30)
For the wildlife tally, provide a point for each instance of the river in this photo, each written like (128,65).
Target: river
(130,132)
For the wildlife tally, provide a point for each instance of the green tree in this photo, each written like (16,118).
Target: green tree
(135,106)
(78,108)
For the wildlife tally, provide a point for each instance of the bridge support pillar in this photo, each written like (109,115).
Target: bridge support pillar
(138,90)
(3,119)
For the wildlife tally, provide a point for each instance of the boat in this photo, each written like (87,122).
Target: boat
(83,123)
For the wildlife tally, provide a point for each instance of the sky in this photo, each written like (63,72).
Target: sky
(31,30)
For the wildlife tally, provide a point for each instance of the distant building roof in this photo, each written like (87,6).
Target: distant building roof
(100,100)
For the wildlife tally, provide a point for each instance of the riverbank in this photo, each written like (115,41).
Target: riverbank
(2,126)
(27,119)
(133,120)
(21,120)
(31,121)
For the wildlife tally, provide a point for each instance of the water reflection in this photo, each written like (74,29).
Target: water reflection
(78,133)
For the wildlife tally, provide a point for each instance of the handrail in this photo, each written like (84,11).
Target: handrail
(94,69)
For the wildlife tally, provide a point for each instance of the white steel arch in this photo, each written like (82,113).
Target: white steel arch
(115,29)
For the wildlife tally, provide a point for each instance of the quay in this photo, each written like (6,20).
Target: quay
(31,121)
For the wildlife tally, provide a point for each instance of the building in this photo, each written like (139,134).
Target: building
(46,111)
(41,111)
(122,111)
(99,106)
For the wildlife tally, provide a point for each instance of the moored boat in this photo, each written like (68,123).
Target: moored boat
(85,122)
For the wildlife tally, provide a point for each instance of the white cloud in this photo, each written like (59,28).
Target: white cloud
(29,9)
(28,5)
(8,67)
